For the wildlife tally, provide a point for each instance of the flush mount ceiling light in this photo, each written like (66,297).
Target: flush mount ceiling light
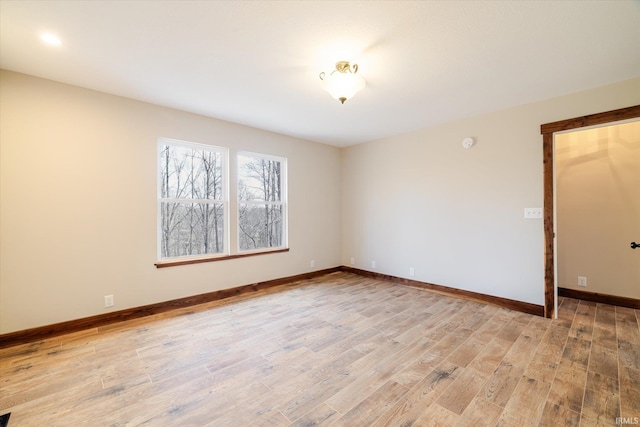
(343,82)
(51,39)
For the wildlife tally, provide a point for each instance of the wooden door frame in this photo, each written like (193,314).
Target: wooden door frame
(547,130)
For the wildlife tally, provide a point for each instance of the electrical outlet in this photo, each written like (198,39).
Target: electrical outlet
(373,264)
(582,281)
(313,263)
(531,213)
(412,271)
(353,261)
(108,301)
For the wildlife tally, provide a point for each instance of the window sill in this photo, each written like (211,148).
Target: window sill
(174,263)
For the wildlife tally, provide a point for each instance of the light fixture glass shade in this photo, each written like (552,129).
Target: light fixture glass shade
(343,86)
(343,82)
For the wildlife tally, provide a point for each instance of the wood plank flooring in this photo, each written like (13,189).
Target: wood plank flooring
(338,350)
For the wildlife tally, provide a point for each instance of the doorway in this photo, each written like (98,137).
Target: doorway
(548,130)
(597,205)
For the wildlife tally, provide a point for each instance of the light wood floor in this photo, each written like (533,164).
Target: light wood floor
(338,350)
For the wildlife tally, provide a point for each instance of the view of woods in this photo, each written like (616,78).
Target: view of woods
(260,203)
(192,201)
(192,205)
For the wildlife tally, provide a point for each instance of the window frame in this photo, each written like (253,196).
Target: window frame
(283,202)
(189,259)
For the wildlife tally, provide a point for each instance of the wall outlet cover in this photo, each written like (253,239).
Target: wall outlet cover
(108,301)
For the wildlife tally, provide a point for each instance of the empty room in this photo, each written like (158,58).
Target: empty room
(319,213)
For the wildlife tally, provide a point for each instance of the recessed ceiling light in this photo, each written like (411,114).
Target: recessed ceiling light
(50,39)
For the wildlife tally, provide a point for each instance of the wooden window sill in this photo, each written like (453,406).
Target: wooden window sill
(174,263)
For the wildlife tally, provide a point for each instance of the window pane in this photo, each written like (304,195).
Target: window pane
(259,179)
(260,226)
(191,228)
(189,173)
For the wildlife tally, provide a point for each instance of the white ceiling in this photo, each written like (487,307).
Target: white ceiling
(257,62)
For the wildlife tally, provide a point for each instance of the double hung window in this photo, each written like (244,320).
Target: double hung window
(193,203)
(192,199)
(261,202)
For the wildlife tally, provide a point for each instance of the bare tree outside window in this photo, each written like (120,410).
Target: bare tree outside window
(192,199)
(261,202)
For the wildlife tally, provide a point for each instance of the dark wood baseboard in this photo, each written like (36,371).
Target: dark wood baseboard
(601,298)
(49,331)
(524,307)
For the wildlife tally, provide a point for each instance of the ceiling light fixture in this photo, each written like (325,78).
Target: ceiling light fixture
(343,82)
(50,39)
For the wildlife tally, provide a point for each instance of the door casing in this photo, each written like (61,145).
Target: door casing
(547,130)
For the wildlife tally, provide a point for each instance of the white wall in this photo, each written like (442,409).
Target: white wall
(78,203)
(420,200)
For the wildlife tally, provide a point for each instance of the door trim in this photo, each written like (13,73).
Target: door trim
(547,130)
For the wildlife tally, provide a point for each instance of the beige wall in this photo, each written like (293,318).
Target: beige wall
(598,209)
(78,206)
(78,203)
(456,216)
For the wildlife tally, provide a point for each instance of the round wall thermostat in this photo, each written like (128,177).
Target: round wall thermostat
(468,142)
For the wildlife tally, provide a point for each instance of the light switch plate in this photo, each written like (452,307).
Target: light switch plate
(532,213)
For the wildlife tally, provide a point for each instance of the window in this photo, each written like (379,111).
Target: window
(262,210)
(192,199)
